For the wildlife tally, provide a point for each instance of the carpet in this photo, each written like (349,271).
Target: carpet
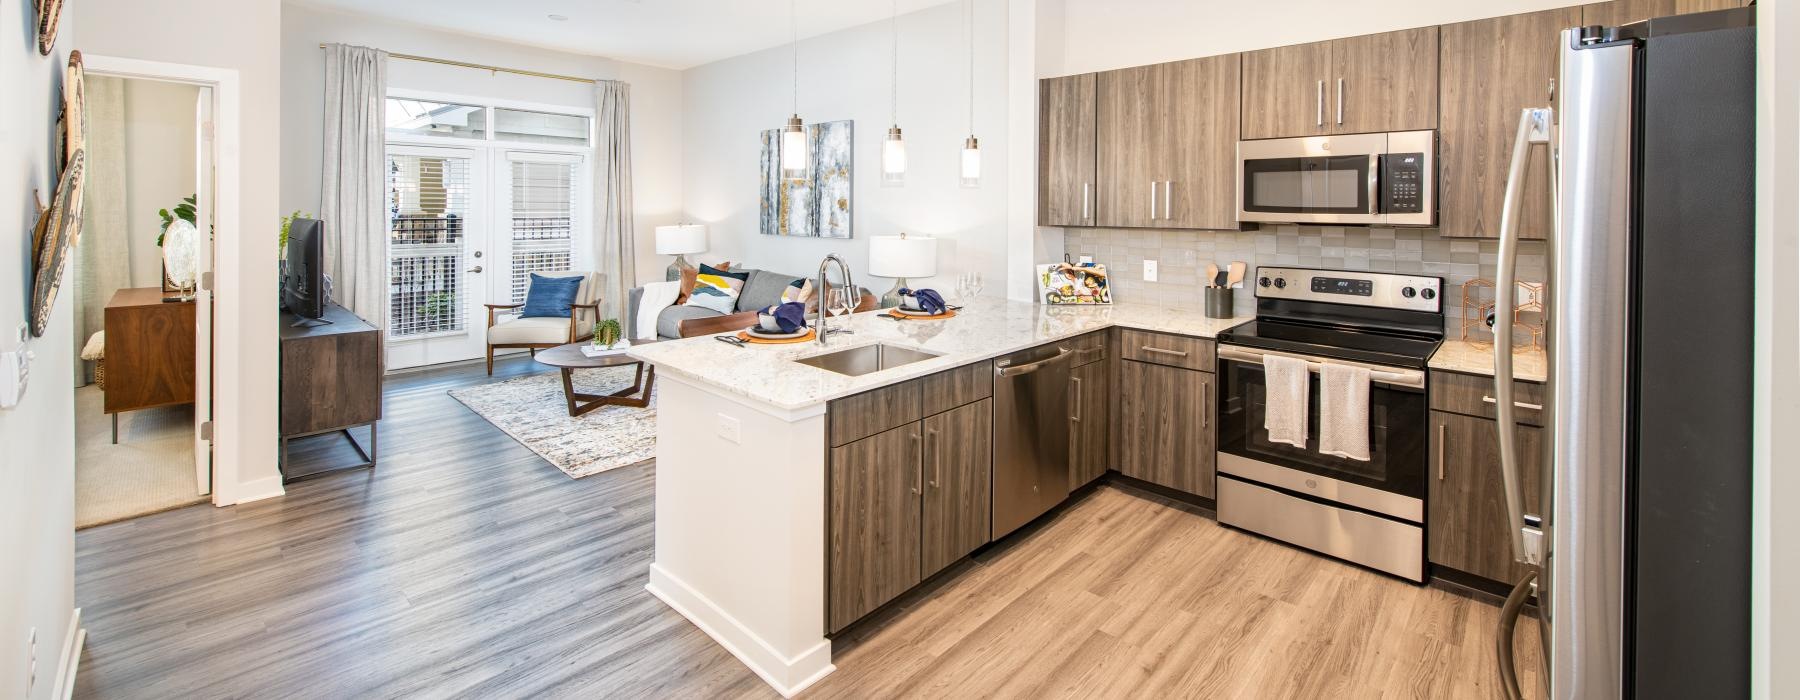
(532,411)
(149,471)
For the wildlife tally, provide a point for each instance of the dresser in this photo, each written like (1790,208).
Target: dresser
(149,352)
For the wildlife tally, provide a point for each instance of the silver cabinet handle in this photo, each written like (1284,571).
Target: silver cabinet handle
(1176,353)
(1206,405)
(1520,404)
(1440,449)
(1340,101)
(1085,188)
(916,457)
(1319,103)
(937,457)
(1168,199)
(1152,200)
(1076,414)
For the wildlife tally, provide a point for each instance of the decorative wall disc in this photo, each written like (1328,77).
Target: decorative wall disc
(59,226)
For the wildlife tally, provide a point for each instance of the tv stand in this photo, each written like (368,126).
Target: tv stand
(331,371)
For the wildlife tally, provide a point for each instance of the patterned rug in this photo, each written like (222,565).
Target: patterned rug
(531,410)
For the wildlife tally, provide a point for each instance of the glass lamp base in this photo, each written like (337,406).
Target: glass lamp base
(892,298)
(676,267)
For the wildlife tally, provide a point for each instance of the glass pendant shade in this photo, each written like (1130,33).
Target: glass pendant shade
(971,163)
(893,159)
(793,149)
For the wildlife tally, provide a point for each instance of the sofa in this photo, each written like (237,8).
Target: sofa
(761,290)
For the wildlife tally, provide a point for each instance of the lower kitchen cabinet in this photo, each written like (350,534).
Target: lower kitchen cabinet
(874,527)
(1166,431)
(1466,522)
(1090,421)
(958,498)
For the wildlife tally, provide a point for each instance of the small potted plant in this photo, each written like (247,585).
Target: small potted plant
(609,335)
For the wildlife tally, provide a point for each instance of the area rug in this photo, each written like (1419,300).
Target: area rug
(151,469)
(532,410)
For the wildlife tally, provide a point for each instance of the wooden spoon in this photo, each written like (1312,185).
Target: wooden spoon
(1212,274)
(1237,275)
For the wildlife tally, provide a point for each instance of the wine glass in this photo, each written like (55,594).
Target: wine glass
(974,285)
(842,301)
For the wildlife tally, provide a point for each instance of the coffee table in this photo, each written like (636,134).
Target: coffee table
(569,358)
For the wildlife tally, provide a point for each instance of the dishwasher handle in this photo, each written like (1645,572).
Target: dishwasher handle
(1029,367)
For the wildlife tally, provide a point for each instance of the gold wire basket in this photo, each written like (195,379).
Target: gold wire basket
(1528,316)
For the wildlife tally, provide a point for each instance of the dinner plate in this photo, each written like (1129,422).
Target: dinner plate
(758,332)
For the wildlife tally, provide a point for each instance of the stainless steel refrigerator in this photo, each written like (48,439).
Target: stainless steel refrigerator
(1640,543)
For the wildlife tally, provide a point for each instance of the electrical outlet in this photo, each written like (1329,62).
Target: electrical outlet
(1086,260)
(728,429)
(15,374)
(1149,270)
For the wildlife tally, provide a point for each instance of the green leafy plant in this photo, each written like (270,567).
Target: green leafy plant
(183,211)
(608,332)
(287,222)
(437,304)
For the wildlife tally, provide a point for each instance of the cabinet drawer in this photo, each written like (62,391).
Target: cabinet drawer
(856,417)
(1162,349)
(956,387)
(1474,395)
(1088,348)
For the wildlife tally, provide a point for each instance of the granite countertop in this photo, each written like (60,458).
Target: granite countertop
(983,329)
(1470,358)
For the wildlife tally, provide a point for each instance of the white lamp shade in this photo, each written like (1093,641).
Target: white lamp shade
(896,256)
(681,239)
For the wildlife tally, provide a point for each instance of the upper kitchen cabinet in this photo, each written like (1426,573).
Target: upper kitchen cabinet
(1492,69)
(1627,11)
(1066,113)
(1363,84)
(1167,139)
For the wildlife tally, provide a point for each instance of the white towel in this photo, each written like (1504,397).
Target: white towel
(1344,411)
(1285,415)
(657,296)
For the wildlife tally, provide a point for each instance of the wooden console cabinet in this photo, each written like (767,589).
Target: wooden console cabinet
(330,381)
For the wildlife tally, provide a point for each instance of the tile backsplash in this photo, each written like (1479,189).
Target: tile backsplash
(1182,257)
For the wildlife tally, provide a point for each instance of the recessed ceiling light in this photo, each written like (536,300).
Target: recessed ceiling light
(559,18)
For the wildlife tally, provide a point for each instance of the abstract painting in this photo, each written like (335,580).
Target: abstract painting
(817,206)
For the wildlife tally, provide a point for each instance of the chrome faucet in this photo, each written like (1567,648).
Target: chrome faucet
(824,299)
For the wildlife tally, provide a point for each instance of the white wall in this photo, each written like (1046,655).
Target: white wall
(846,75)
(1080,36)
(159,166)
(242,35)
(37,501)
(655,102)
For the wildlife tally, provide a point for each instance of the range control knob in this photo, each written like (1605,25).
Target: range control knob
(1280,283)
(1264,281)
(1428,293)
(1408,292)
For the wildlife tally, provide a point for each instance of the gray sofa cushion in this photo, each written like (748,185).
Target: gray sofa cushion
(763,290)
(668,325)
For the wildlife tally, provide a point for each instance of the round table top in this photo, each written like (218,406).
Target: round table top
(570,356)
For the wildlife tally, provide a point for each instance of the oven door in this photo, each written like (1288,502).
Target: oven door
(1391,483)
(1317,179)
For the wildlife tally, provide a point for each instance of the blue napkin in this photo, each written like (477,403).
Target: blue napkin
(791,316)
(929,300)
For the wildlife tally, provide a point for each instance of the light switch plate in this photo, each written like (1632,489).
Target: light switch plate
(1149,270)
(729,429)
(15,373)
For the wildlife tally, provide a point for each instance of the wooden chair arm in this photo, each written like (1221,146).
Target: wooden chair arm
(491,308)
(717,324)
(575,318)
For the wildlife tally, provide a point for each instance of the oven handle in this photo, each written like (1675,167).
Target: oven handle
(1408,378)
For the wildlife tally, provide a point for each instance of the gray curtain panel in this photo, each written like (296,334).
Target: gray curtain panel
(612,196)
(354,178)
(102,260)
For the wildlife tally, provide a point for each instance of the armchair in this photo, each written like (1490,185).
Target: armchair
(540,332)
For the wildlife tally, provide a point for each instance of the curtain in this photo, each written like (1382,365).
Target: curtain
(351,195)
(102,263)
(612,196)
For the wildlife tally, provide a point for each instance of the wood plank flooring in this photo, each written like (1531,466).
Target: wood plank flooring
(467,566)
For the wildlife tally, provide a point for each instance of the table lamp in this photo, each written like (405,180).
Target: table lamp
(901,257)
(679,240)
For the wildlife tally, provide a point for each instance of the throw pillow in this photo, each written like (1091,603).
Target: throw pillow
(550,296)
(801,290)
(717,289)
(688,276)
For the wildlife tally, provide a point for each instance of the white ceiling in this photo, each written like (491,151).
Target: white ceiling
(668,33)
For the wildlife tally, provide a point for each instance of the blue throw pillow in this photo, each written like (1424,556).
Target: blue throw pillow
(550,296)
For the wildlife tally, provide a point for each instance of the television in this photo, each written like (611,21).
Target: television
(304,288)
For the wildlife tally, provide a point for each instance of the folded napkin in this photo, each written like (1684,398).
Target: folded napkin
(929,300)
(1285,411)
(1344,411)
(790,316)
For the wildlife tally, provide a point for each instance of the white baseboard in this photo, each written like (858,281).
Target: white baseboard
(71,658)
(787,676)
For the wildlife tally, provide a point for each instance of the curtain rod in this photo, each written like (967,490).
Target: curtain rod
(491,69)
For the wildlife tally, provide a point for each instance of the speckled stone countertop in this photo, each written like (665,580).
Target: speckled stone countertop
(983,329)
(1469,358)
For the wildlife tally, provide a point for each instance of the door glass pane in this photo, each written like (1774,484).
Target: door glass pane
(428,205)
(412,118)
(540,127)
(543,219)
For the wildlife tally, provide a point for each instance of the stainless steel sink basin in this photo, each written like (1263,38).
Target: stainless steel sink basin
(868,358)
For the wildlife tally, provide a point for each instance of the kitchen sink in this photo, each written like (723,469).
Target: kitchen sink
(863,360)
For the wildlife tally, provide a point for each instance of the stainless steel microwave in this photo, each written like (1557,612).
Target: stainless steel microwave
(1361,179)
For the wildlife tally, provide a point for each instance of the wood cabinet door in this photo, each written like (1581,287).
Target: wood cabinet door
(1285,91)
(1492,69)
(1197,103)
(1090,397)
(1125,129)
(1466,521)
(1612,14)
(958,468)
(1166,426)
(1066,150)
(874,522)
(1383,82)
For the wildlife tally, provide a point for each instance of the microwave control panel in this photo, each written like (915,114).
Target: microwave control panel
(1403,178)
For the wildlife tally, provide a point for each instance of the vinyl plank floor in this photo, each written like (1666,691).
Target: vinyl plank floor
(466,566)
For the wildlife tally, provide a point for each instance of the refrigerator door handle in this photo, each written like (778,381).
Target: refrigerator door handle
(1534,128)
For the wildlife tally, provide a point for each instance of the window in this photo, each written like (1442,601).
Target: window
(435,119)
(540,127)
(543,216)
(428,209)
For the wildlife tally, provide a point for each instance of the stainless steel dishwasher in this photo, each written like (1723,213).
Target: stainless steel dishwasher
(1031,435)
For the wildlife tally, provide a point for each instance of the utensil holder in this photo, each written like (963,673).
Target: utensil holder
(1219,302)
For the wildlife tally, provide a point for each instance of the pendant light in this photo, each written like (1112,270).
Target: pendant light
(971,151)
(794,158)
(893,149)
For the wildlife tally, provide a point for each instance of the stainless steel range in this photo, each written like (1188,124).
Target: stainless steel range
(1371,512)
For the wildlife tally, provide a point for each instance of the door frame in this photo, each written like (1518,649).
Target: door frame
(226,294)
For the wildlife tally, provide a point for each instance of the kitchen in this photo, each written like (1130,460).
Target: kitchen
(858,487)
